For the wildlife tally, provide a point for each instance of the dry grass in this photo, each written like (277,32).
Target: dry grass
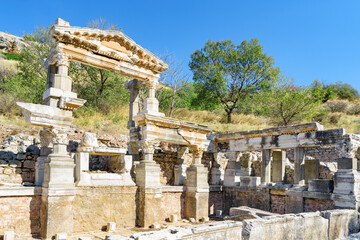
(8,65)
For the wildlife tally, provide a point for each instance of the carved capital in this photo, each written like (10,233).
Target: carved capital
(62,60)
(152,84)
(197,153)
(59,136)
(148,146)
(45,137)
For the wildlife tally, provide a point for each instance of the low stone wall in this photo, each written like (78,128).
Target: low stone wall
(20,210)
(172,202)
(313,226)
(95,207)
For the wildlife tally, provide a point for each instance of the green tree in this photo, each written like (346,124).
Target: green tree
(30,81)
(287,104)
(227,73)
(344,91)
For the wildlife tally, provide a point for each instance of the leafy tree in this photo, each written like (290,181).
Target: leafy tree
(344,91)
(286,104)
(228,73)
(30,81)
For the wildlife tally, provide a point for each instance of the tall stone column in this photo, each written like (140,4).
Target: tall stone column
(278,166)
(133,86)
(266,166)
(180,167)
(58,188)
(149,186)
(299,166)
(197,187)
(216,173)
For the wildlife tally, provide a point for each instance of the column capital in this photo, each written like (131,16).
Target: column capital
(62,60)
(148,146)
(198,152)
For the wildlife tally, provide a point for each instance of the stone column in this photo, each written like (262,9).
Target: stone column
(299,166)
(197,187)
(311,169)
(45,150)
(58,191)
(180,167)
(278,166)
(149,186)
(266,166)
(133,86)
(233,170)
(346,192)
(151,104)
(216,174)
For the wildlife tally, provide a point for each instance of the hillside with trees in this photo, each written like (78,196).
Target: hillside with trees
(234,87)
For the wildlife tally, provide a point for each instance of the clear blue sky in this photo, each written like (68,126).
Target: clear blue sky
(308,39)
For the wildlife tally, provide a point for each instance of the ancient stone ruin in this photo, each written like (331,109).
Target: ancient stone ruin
(50,187)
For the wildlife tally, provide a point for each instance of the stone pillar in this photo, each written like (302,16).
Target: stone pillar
(311,169)
(299,166)
(180,167)
(346,192)
(233,170)
(133,86)
(278,166)
(216,173)
(197,187)
(266,166)
(56,214)
(45,150)
(149,186)
(151,104)
(245,162)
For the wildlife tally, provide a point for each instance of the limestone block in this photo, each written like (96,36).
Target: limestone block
(148,175)
(173,218)
(115,237)
(85,238)
(311,169)
(60,236)
(219,213)
(347,163)
(205,219)
(89,140)
(111,227)
(192,220)
(9,235)
(342,222)
(321,185)
(246,181)
(232,174)
(179,174)
(155,226)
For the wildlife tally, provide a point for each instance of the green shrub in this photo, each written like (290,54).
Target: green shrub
(337,106)
(354,109)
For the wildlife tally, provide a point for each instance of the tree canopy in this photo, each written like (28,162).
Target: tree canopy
(225,72)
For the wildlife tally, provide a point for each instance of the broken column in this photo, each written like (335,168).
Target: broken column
(233,170)
(311,169)
(197,187)
(149,186)
(346,192)
(151,104)
(278,166)
(266,166)
(216,173)
(299,166)
(180,167)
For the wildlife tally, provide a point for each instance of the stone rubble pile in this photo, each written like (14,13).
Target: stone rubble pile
(18,155)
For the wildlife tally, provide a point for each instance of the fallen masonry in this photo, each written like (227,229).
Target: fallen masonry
(300,178)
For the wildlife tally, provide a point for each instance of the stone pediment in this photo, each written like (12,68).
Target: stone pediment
(108,49)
